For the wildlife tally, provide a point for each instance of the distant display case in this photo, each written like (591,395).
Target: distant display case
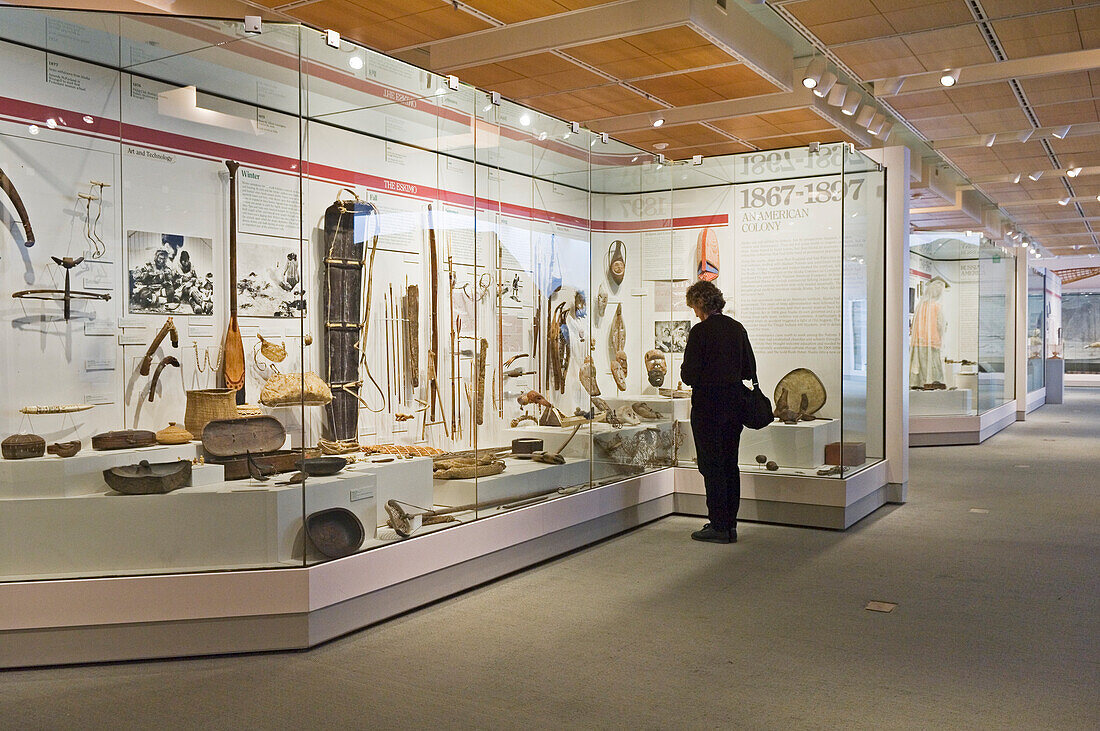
(1037,311)
(961,325)
(271,302)
(1081,331)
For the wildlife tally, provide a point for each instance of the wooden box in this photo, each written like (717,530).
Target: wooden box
(847,454)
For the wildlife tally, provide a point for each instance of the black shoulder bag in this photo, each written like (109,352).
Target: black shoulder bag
(756,408)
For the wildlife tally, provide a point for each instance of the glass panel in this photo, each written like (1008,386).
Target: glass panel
(945,276)
(1036,328)
(1081,331)
(863,327)
(632,273)
(996,326)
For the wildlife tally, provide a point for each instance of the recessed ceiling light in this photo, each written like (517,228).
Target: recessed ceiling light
(812,77)
(658,122)
(949,77)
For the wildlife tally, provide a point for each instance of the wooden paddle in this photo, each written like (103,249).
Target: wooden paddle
(234,346)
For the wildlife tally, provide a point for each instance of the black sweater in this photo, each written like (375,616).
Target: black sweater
(718,357)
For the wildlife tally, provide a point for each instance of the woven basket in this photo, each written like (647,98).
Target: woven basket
(206,405)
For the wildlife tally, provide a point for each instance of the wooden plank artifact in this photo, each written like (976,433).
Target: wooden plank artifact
(235,437)
(345,335)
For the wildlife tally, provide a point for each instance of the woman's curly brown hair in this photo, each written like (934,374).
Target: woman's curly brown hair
(706,296)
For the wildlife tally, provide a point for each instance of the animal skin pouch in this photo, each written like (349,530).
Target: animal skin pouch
(708,255)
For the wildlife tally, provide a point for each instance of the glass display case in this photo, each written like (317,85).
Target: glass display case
(1036,328)
(1081,331)
(961,324)
(274,301)
(795,240)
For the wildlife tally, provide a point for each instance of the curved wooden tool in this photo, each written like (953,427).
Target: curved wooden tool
(9,188)
(234,346)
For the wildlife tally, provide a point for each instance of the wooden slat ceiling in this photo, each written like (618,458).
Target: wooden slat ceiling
(885,38)
(874,39)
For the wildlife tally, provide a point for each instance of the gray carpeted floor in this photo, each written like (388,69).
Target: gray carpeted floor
(996,625)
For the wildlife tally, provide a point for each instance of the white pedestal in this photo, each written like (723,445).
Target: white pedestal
(82,474)
(797,446)
(407,480)
(941,403)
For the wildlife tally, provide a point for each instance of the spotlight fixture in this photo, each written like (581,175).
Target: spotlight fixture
(876,123)
(658,122)
(812,77)
(885,130)
(1098,199)
(828,81)
(1025,135)
(988,140)
(1073,172)
(837,95)
(851,104)
(1061,132)
(949,77)
(1064,201)
(865,116)
(1035,175)
(1016,178)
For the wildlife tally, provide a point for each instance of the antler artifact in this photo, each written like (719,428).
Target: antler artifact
(9,188)
(168,328)
(168,360)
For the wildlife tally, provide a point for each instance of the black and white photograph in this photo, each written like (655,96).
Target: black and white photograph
(269,277)
(170,274)
(671,336)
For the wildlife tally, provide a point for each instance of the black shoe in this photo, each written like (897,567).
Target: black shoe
(713,535)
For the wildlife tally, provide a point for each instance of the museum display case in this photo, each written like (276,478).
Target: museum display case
(1081,331)
(961,316)
(1036,328)
(275,300)
(795,240)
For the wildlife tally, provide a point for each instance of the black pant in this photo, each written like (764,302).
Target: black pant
(717,437)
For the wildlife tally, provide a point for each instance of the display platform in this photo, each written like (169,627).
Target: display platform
(939,431)
(959,402)
(82,474)
(793,447)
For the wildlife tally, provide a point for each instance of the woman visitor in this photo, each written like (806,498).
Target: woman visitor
(717,359)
